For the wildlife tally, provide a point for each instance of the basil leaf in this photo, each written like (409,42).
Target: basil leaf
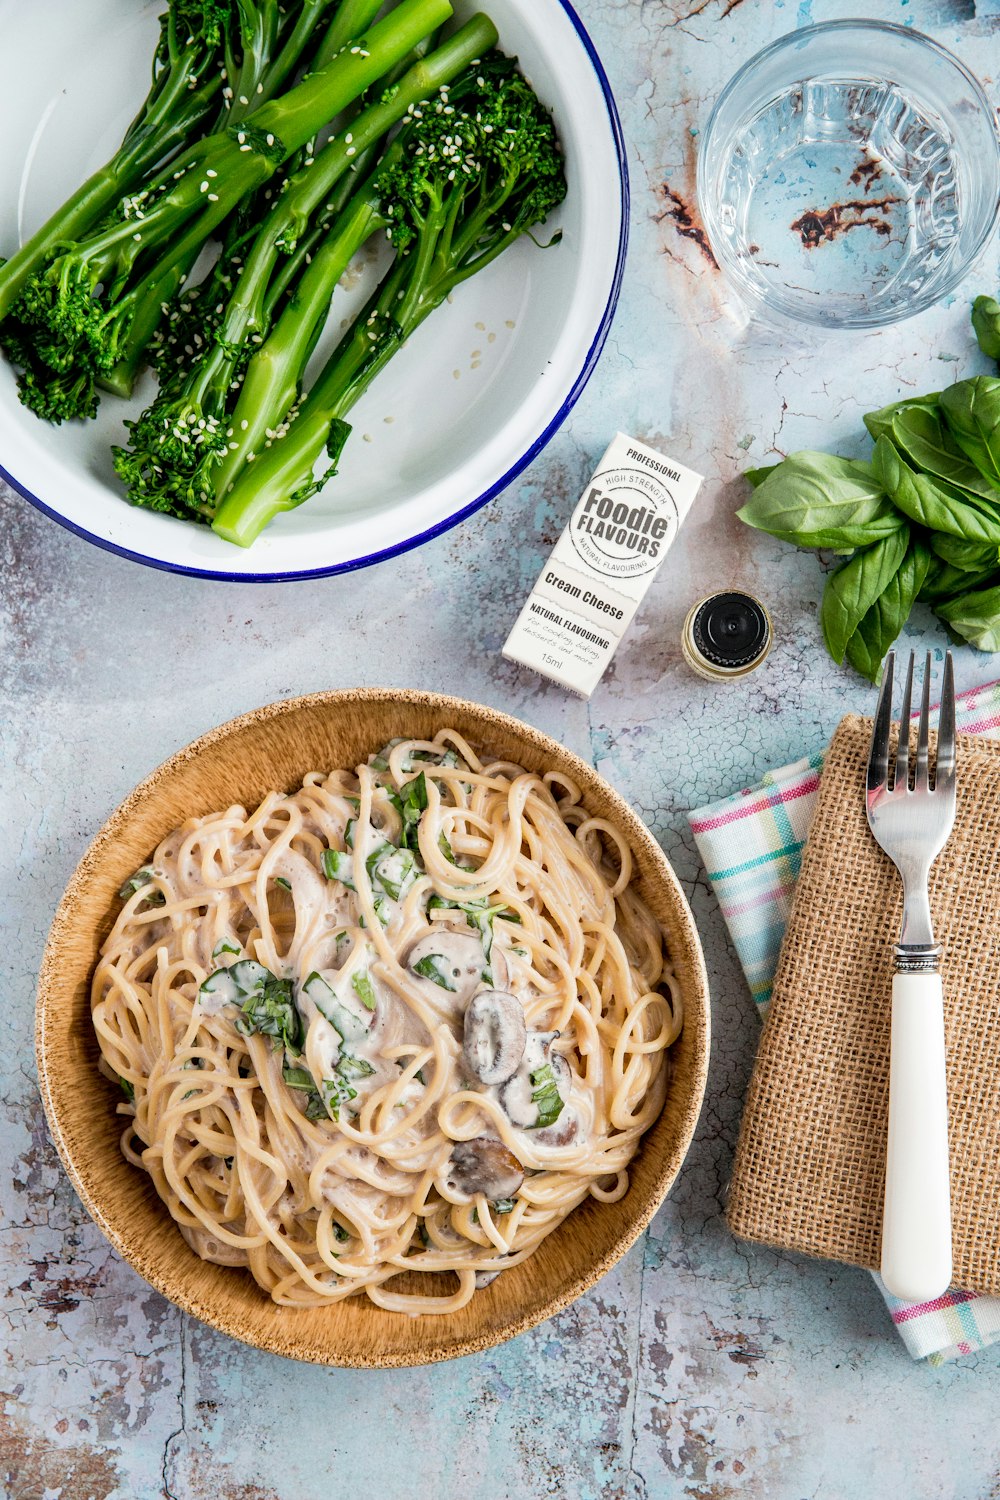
(362,987)
(137,882)
(502,1206)
(819,500)
(267,1006)
(336,1093)
(854,588)
(225,946)
(348,1027)
(971,557)
(945,582)
(545,1096)
(285,884)
(971,409)
(881,625)
(920,433)
(298,1078)
(986,325)
(339,865)
(339,1232)
(432,966)
(350,1066)
(975,617)
(392,870)
(755,477)
(127,1089)
(380,762)
(933,502)
(444,845)
(410,803)
(879,423)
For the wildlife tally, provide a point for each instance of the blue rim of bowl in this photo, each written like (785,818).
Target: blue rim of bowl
(727,263)
(532,452)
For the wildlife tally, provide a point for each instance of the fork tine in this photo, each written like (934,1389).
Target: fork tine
(878,756)
(945,772)
(921,779)
(903,748)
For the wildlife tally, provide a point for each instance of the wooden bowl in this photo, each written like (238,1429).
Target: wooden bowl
(239,762)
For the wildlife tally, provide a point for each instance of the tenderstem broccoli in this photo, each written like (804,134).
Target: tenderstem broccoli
(72,320)
(475,171)
(178,456)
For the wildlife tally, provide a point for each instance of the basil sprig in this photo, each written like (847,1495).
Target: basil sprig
(920,521)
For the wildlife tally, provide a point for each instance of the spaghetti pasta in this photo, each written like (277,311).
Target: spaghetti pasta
(395,1024)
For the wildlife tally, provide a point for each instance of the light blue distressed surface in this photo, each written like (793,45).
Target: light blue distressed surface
(700,1367)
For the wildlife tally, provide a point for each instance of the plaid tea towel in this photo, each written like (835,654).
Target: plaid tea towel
(751,845)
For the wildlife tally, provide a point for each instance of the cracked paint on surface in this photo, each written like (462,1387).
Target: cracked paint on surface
(700,1366)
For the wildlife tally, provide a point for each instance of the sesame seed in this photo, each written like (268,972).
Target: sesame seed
(213,197)
(367,436)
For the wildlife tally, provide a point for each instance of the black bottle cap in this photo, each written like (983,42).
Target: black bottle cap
(731,630)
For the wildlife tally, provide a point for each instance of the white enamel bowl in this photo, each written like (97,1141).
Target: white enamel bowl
(453,419)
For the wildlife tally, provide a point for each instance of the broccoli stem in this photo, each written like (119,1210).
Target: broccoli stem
(352,19)
(296,117)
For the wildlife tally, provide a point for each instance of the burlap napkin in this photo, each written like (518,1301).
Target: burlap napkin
(809,1167)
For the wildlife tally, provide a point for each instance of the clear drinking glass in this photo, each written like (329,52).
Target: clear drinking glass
(849,175)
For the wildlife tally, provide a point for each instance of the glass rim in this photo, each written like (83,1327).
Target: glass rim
(800,313)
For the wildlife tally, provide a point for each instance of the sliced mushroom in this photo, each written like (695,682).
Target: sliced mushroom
(484,1165)
(494,1036)
(452,963)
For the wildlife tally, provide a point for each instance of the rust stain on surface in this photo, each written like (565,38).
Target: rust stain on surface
(31,1467)
(817,225)
(685,221)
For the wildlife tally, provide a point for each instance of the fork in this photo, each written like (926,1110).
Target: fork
(912,825)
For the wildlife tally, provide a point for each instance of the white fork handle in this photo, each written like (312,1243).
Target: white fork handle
(916,1224)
